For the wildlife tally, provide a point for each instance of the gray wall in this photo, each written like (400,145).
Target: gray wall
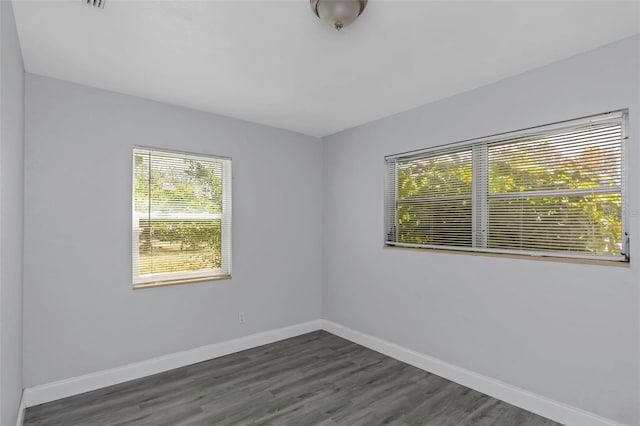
(567,331)
(81,314)
(11,213)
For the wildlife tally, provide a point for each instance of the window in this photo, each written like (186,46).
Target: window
(557,190)
(181,217)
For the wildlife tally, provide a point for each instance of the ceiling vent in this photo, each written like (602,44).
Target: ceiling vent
(95,3)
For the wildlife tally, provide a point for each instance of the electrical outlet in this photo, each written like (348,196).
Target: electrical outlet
(241,317)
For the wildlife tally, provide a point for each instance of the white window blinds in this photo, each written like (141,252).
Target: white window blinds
(556,190)
(181,217)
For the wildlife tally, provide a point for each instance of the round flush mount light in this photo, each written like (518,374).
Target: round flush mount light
(338,13)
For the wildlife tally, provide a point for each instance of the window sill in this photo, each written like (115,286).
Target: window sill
(180,281)
(518,256)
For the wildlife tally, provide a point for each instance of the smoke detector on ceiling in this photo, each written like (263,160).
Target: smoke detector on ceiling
(95,3)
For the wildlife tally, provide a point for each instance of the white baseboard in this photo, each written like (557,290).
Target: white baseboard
(21,409)
(540,405)
(89,382)
(546,407)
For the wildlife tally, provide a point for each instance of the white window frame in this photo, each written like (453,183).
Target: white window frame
(480,195)
(169,278)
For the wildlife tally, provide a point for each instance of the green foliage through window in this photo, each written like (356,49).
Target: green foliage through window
(548,190)
(179,213)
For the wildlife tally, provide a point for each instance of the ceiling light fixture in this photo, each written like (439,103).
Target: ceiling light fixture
(338,13)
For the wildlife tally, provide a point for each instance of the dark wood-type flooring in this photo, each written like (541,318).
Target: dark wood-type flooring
(313,379)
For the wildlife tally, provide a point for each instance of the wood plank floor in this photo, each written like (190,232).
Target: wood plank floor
(313,379)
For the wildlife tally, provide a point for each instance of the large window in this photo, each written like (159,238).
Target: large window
(181,217)
(557,190)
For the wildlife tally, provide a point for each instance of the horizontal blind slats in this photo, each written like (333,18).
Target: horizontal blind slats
(558,190)
(181,216)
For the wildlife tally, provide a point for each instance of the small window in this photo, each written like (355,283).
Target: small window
(557,190)
(181,218)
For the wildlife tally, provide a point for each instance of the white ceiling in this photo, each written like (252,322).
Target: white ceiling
(272,62)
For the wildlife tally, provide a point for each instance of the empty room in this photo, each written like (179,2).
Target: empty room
(323,212)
